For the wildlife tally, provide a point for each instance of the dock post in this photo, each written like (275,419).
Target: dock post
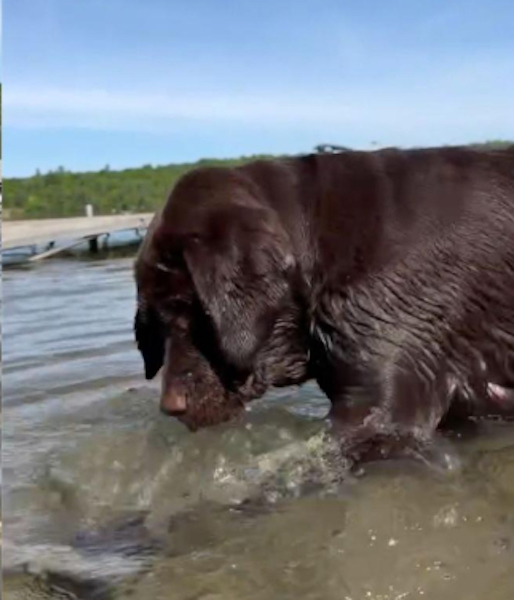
(93,245)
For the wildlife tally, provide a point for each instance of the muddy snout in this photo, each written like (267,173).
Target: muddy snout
(198,402)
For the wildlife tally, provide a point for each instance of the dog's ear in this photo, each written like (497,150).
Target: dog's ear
(240,266)
(150,339)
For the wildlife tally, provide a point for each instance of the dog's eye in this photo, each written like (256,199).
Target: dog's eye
(174,260)
(170,261)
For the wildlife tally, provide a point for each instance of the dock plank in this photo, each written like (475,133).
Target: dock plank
(43,231)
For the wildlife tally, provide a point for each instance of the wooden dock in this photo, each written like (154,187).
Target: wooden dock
(47,237)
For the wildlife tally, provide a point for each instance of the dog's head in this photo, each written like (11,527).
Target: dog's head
(218,299)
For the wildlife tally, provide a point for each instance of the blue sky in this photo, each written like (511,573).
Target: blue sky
(132,82)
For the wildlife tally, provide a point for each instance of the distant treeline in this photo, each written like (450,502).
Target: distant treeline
(65,194)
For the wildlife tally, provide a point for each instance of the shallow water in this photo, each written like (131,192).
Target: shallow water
(106,498)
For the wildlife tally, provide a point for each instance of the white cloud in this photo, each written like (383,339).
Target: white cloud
(423,107)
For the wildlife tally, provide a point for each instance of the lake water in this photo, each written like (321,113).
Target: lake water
(105,498)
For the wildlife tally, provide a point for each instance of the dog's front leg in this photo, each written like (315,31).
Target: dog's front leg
(394,414)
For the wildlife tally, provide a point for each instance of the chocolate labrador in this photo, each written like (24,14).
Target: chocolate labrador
(386,276)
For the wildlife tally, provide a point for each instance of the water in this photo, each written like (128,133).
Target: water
(103,497)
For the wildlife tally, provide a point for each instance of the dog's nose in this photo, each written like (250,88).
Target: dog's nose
(174,403)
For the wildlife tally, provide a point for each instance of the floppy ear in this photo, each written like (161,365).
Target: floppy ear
(150,339)
(240,268)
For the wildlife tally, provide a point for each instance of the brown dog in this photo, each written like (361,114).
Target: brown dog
(388,277)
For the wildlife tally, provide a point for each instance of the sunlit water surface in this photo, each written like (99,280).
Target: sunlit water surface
(106,498)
